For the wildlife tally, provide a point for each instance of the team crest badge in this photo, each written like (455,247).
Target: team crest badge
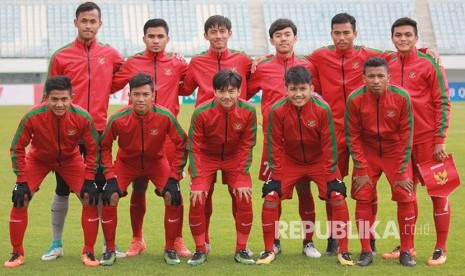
(441,177)
(355,65)
(71,132)
(101,59)
(411,74)
(391,113)
(238,126)
(154,131)
(168,72)
(311,123)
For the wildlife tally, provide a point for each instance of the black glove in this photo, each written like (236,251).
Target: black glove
(172,186)
(21,189)
(271,185)
(337,186)
(90,188)
(109,189)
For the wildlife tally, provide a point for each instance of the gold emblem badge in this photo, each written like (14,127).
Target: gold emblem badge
(154,131)
(441,177)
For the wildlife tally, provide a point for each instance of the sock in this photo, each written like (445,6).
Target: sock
(18,225)
(363,218)
(374,212)
(329,217)
(406,219)
(179,233)
(60,205)
(208,214)
(441,214)
(269,218)
(244,217)
(197,224)
(173,217)
(307,213)
(109,223)
(137,210)
(233,203)
(415,206)
(89,222)
(340,215)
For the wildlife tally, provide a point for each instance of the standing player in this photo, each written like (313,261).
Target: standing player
(221,138)
(167,73)
(302,148)
(379,132)
(53,130)
(141,130)
(426,83)
(204,66)
(90,66)
(269,77)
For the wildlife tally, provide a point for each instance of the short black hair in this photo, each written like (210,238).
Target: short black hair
(88,6)
(58,82)
(342,18)
(156,22)
(139,80)
(281,24)
(375,62)
(298,75)
(404,21)
(226,78)
(217,21)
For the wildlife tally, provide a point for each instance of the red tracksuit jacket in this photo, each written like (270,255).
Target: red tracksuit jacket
(167,73)
(269,77)
(380,125)
(305,136)
(141,139)
(204,66)
(427,86)
(54,139)
(221,134)
(90,70)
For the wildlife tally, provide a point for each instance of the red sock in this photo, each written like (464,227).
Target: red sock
(307,213)
(137,210)
(208,214)
(374,212)
(406,219)
(233,203)
(339,228)
(179,234)
(363,219)
(415,206)
(197,224)
(329,216)
(441,214)
(173,216)
(89,222)
(244,217)
(269,219)
(18,225)
(109,222)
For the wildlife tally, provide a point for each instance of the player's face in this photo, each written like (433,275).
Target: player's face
(218,37)
(227,97)
(88,23)
(156,39)
(283,41)
(343,36)
(376,79)
(141,98)
(59,101)
(404,38)
(299,94)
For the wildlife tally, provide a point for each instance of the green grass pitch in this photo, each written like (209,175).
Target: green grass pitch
(220,261)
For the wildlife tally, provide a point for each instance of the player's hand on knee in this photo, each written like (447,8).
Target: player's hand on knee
(90,188)
(172,186)
(406,184)
(243,193)
(109,189)
(360,181)
(270,186)
(197,196)
(336,185)
(20,190)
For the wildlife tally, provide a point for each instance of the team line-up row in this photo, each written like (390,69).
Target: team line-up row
(376,107)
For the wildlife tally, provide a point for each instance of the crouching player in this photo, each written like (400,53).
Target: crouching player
(221,138)
(302,148)
(141,130)
(53,130)
(379,133)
